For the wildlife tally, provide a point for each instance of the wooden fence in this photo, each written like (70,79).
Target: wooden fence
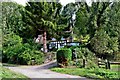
(106,63)
(101,63)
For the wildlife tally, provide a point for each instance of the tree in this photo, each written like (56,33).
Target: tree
(61,23)
(82,16)
(103,45)
(91,18)
(99,23)
(113,28)
(69,13)
(12,18)
(40,17)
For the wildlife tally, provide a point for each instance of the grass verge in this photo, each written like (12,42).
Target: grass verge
(115,67)
(90,73)
(10,75)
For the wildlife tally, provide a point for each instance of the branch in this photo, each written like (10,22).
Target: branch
(101,13)
(87,7)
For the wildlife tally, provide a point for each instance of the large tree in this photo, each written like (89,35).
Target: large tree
(89,19)
(40,16)
(100,24)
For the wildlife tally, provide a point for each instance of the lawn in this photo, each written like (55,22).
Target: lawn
(89,73)
(115,67)
(8,74)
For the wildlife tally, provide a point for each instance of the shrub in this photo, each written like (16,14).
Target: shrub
(30,54)
(84,52)
(38,56)
(80,53)
(14,51)
(79,63)
(64,55)
(12,45)
(90,58)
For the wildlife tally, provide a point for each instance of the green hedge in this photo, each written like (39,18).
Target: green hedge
(64,55)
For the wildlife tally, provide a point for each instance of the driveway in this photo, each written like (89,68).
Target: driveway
(42,71)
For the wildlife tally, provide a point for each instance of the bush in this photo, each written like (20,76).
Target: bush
(64,55)
(79,63)
(12,45)
(14,51)
(38,56)
(85,53)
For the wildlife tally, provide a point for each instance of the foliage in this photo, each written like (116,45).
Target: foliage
(91,64)
(28,55)
(66,20)
(11,46)
(114,22)
(81,18)
(102,44)
(12,18)
(117,56)
(90,58)
(0,40)
(83,53)
(64,55)
(89,73)
(14,51)
(40,16)
(101,22)
(74,47)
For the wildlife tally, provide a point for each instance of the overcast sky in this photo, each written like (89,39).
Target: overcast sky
(63,2)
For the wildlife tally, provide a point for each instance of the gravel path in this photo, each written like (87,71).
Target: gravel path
(42,71)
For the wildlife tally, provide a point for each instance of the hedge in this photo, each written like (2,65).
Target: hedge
(64,55)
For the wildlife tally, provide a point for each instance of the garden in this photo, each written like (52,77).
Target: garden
(83,39)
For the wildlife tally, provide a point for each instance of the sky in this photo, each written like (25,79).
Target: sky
(63,2)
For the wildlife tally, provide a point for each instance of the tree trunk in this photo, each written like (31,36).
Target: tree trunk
(44,42)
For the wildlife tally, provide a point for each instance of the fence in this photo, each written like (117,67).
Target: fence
(106,63)
(101,63)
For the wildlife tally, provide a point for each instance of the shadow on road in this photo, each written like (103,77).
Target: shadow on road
(48,65)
